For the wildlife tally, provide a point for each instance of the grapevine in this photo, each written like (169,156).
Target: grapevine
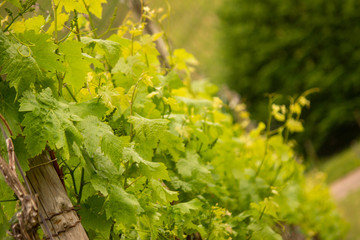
(146,151)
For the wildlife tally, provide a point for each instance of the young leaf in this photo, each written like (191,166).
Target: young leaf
(61,19)
(94,6)
(111,50)
(294,125)
(186,207)
(77,65)
(43,51)
(34,23)
(131,67)
(172,80)
(16,3)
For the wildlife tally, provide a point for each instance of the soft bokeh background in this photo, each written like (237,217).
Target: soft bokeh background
(287,47)
(194,25)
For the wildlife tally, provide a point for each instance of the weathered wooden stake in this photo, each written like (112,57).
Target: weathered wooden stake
(54,204)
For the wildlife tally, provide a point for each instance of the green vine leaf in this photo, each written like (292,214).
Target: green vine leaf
(172,80)
(263,232)
(92,107)
(112,146)
(121,205)
(161,193)
(93,5)
(188,207)
(156,170)
(16,3)
(110,49)
(93,131)
(43,51)
(151,133)
(98,136)
(190,168)
(16,62)
(34,23)
(48,122)
(93,217)
(77,64)
(9,108)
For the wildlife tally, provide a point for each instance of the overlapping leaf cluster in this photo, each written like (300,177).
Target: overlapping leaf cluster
(147,152)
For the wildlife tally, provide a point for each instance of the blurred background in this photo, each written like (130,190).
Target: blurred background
(287,47)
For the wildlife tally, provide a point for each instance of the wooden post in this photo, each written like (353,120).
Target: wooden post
(54,204)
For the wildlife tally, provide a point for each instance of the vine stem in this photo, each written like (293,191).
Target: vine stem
(57,167)
(55,7)
(262,213)
(137,6)
(290,113)
(19,14)
(133,96)
(111,23)
(81,185)
(267,136)
(8,200)
(133,181)
(71,172)
(132,44)
(27,184)
(210,224)
(77,26)
(60,81)
(90,19)
(67,35)
(276,175)
(126,177)
(6,124)
(166,38)
(167,42)
(69,91)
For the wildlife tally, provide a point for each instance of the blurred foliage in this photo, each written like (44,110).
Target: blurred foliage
(337,167)
(290,46)
(347,207)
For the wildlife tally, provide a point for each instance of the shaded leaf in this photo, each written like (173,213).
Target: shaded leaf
(16,62)
(121,206)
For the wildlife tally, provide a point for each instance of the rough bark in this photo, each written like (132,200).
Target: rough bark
(54,204)
(293,233)
(26,227)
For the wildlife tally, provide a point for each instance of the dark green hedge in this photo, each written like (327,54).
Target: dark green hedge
(289,46)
